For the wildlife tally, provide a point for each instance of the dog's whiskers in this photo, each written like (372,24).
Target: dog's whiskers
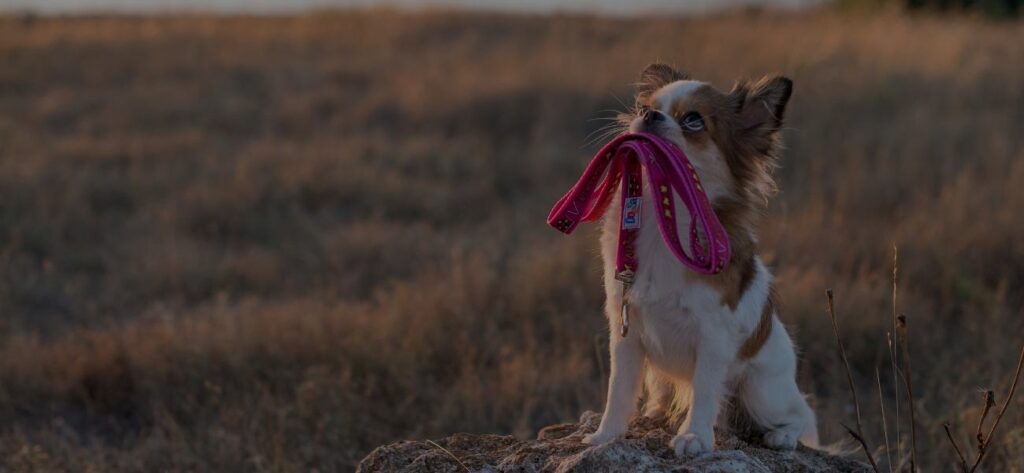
(603,133)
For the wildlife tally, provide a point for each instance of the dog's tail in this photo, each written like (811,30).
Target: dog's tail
(839,448)
(809,437)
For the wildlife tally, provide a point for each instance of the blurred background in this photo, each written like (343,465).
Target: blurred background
(270,236)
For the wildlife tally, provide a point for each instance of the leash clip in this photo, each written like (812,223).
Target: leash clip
(624,330)
(627,278)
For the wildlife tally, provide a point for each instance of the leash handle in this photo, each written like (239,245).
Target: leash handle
(683,180)
(619,163)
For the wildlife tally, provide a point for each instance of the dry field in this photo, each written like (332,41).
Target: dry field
(271,244)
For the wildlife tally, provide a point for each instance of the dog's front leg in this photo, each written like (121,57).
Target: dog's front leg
(623,388)
(697,434)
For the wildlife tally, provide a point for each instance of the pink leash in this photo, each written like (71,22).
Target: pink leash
(668,172)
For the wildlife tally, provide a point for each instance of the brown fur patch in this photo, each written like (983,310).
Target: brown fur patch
(753,134)
(733,282)
(759,336)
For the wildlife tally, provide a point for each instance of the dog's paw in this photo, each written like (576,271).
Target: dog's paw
(782,438)
(691,444)
(600,438)
(658,414)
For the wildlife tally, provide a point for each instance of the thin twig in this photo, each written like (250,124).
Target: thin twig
(859,435)
(990,402)
(450,454)
(885,423)
(863,445)
(960,454)
(902,320)
(891,338)
(1002,411)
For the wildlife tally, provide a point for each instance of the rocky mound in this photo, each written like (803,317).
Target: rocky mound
(558,449)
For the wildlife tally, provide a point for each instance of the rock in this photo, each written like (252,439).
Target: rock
(557,449)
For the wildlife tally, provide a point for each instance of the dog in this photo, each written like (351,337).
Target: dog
(696,340)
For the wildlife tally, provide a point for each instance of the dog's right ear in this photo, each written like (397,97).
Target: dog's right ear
(656,76)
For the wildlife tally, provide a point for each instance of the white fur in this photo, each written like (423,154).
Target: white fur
(682,335)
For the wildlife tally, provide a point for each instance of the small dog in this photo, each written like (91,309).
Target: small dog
(694,339)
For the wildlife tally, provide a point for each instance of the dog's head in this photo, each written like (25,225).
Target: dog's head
(731,138)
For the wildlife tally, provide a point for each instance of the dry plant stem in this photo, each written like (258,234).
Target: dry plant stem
(450,454)
(902,319)
(885,422)
(959,453)
(990,402)
(859,434)
(863,445)
(1002,411)
(892,349)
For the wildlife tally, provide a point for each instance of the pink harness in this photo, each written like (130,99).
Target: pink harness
(668,172)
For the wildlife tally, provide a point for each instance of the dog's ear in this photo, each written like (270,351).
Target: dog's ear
(656,76)
(761,104)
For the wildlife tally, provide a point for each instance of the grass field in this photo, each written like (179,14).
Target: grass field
(271,244)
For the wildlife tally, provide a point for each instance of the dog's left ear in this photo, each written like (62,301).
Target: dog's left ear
(760,105)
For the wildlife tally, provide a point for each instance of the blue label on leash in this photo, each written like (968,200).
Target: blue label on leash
(631,213)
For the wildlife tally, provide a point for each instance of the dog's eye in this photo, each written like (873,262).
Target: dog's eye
(692,121)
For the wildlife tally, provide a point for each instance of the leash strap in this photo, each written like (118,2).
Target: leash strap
(669,172)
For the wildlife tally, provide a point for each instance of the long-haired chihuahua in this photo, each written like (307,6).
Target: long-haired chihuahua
(697,340)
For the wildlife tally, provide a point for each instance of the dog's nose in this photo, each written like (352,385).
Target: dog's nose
(650,115)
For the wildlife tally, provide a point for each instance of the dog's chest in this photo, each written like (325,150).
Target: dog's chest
(670,302)
(661,280)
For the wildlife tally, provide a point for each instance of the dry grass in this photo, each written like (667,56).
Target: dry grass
(271,244)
